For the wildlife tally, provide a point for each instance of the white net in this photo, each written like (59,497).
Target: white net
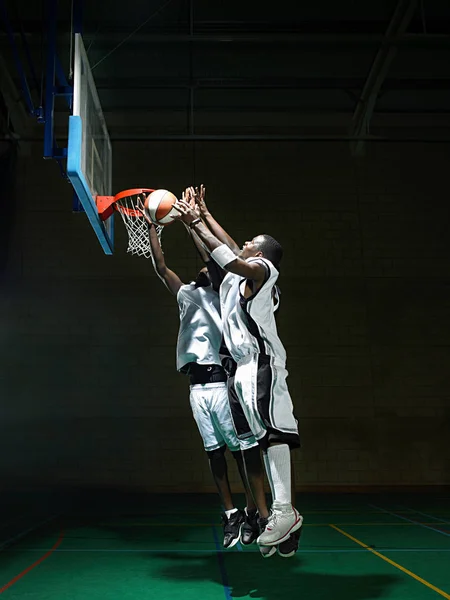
(137,227)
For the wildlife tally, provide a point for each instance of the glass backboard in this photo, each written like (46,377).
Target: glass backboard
(89,155)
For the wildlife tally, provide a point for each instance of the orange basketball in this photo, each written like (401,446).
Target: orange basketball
(159,207)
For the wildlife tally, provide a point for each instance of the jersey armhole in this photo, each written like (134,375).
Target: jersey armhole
(266,278)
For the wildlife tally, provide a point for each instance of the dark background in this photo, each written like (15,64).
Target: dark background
(270,106)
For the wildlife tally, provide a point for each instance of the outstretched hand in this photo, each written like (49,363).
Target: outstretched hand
(195,197)
(140,206)
(200,200)
(187,213)
(189,196)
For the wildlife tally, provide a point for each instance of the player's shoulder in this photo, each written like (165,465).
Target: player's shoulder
(190,290)
(185,290)
(260,259)
(269,266)
(186,287)
(229,279)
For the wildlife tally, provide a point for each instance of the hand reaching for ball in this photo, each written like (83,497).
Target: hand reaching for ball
(187,214)
(200,200)
(140,206)
(189,196)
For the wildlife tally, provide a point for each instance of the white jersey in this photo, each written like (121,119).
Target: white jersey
(200,334)
(249,325)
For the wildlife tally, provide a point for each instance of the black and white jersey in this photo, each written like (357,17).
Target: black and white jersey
(200,334)
(249,325)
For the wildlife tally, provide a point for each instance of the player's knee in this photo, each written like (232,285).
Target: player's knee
(252,459)
(252,452)
(216,454)
(237,455)
(264,443)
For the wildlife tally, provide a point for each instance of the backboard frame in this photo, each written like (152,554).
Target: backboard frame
(80,167)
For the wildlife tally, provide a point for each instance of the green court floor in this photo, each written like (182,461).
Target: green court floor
(353,547)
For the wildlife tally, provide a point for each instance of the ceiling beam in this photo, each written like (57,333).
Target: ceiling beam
(271,83)
(331,39)
(267,137)
(400,20)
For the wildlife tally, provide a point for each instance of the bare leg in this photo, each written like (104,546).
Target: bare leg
(255,476)
(250,503)
(219,470)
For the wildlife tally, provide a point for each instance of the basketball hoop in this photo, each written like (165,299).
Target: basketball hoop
(126,203)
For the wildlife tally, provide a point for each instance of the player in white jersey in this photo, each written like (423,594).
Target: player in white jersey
(198,356)
(248,302)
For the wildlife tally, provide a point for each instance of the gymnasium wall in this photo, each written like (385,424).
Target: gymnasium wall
(89,391)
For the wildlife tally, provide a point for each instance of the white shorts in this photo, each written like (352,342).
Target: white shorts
(211,411)
(264,396)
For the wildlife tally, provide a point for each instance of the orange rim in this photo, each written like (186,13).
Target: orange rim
(132,192)
(131,212)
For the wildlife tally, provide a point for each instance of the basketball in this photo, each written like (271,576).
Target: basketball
(159,207)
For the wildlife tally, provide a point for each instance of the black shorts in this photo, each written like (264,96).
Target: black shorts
(261,390)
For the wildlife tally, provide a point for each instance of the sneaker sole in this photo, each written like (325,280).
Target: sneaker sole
(248,543)
(294,527)
(290,555)
(273,551)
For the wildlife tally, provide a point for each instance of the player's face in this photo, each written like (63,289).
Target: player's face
(251,248)
(202,279)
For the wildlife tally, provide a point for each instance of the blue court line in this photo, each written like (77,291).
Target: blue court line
(427,515)
(410,520)
(223,571)
(173,551)
(26,531)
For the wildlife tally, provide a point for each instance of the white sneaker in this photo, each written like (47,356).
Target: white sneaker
(266,551)
(283,520)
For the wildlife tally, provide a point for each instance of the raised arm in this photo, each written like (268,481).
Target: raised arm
(216,274)
(210,221)
(168,277)
(199,245)
(189,196)
(220,252)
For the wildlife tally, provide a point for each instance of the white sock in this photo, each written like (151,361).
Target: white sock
(230,512)
(269,476)
(279,460)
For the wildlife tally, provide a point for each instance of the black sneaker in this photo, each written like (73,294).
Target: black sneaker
(266,551)
(232,528)
(290,546)
(250,528)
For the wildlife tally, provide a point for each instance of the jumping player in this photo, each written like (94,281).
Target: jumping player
(252,455)
(248,300)
(198,346)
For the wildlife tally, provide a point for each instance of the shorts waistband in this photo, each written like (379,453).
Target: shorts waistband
(206,373)
(208,386)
